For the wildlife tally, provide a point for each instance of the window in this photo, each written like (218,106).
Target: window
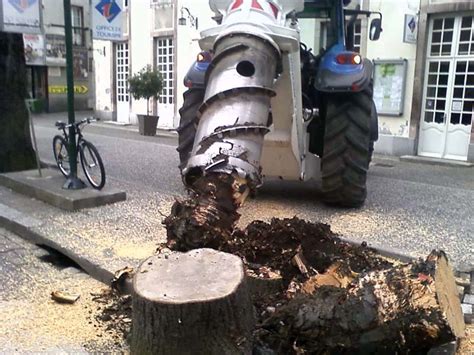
(161,2)
(77,26)
(165,63)
(357,35)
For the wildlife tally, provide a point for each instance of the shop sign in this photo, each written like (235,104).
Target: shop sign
(410,29)
(56,50)
(20,16)
(107,19)
(34,49)
(62,89)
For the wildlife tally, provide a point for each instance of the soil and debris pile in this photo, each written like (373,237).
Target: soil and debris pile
(316,294)
(290,262)
(115,312)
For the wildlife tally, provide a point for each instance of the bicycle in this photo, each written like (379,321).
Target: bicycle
(91,161)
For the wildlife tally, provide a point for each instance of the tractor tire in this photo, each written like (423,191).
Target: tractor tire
(193,99)
(347,148)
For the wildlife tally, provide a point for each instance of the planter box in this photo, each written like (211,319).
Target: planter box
(147,125)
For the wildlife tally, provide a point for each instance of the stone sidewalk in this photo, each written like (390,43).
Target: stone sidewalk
(101,240)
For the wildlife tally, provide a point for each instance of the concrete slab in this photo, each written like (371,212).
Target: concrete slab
(48,188)
(89,255)
(436,161)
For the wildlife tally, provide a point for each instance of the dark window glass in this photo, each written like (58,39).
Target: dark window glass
(431,91)
(444,67)
(436,37)
(458,93)
(466,119)
(431,79)
(465,35)
(434,67)
(430,104)
(443,80)
(438,24)
(455,117)
(459,80)
(428,116)
(435,50)
(440,104)
(470,80)
(448,36)
(439,117)
(441,92)
(463,48)
(467,106)
(461,67)
(469,93)
(446,49)
(448,23)
(466,22)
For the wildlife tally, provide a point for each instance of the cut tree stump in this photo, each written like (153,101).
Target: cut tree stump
(192,303)
(409,308)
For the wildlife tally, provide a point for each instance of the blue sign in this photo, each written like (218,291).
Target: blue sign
(109,9)
(22,5)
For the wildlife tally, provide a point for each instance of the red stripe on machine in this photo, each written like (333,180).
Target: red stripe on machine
(256,5)
(274,9)
(236,5)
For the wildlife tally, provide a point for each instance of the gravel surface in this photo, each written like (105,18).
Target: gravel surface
(31,321)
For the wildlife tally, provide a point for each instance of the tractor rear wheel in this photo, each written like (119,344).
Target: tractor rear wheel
(193,99)
(347,148)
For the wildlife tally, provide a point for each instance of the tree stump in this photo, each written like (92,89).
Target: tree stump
(192,303)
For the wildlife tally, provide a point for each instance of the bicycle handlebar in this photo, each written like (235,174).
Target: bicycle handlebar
(87,120)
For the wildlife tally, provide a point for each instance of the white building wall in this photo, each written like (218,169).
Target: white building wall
(141,47)
(391,46)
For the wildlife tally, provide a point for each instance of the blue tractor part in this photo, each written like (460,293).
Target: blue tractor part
(196,76)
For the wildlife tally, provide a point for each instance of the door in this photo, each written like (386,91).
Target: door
(165,64)
(122,97)
(448,98)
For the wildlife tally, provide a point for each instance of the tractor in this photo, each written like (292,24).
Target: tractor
(278,90)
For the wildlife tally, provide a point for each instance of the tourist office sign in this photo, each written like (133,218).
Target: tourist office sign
(108,19)
(20,16)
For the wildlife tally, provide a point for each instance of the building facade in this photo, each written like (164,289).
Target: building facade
(437,94)
(153,37)
(423,73)
(46,58)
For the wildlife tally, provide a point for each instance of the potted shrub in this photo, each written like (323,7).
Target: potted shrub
(147,83)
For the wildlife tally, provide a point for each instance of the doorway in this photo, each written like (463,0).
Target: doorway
(165,65)
(448,98)
(122,96)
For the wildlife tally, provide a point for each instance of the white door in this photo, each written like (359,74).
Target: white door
(165,64)
(448,99)
(122,96)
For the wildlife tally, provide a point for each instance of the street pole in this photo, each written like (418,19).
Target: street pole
(73,182)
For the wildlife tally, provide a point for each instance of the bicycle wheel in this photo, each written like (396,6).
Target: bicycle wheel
(92,164)
(61,155)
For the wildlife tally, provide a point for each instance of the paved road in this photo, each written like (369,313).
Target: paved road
(410,207)
(31,321)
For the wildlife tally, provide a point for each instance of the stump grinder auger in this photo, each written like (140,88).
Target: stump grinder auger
(260,101)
